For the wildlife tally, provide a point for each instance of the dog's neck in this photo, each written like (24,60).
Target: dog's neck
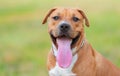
(76,49)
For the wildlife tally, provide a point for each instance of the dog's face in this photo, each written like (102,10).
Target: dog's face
(66,28)
(66,22)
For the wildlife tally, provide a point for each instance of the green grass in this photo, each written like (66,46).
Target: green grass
(24,41)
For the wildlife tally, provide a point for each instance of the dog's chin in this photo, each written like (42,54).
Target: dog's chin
(73,43)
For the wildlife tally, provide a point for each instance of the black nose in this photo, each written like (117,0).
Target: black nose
(64,27)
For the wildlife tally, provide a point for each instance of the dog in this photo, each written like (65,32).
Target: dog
(71,54)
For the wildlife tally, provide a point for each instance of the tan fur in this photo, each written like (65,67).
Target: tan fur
(51,60)
(89,62)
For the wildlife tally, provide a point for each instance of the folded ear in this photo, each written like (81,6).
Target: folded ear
(85,17)
(47,15)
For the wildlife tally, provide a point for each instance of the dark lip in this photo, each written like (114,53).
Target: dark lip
(74,40)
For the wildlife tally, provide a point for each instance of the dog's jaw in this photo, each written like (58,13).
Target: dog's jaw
(54,49)
(74,39)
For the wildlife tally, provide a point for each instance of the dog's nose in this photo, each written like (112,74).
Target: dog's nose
(64,27)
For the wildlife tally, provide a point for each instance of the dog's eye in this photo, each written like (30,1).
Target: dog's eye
(56,17)
(75,19)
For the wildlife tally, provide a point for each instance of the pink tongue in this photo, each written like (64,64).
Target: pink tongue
(64,56)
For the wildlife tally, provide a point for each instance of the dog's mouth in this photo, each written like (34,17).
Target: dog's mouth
(73,40)
(64,45)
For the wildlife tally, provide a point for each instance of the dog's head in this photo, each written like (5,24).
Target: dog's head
(66,27)
(66,22)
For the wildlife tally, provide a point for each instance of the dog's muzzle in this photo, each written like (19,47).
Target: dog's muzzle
(64,30)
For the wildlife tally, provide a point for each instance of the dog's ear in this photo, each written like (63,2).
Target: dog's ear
(85,17)
(47,15)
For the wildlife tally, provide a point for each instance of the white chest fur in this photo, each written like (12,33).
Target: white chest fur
(58,71)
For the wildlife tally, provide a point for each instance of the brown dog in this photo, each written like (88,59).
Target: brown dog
(71,54)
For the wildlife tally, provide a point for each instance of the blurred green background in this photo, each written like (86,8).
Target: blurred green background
(24,41)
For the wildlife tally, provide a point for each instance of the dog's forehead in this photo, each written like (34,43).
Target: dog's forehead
(67,12)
